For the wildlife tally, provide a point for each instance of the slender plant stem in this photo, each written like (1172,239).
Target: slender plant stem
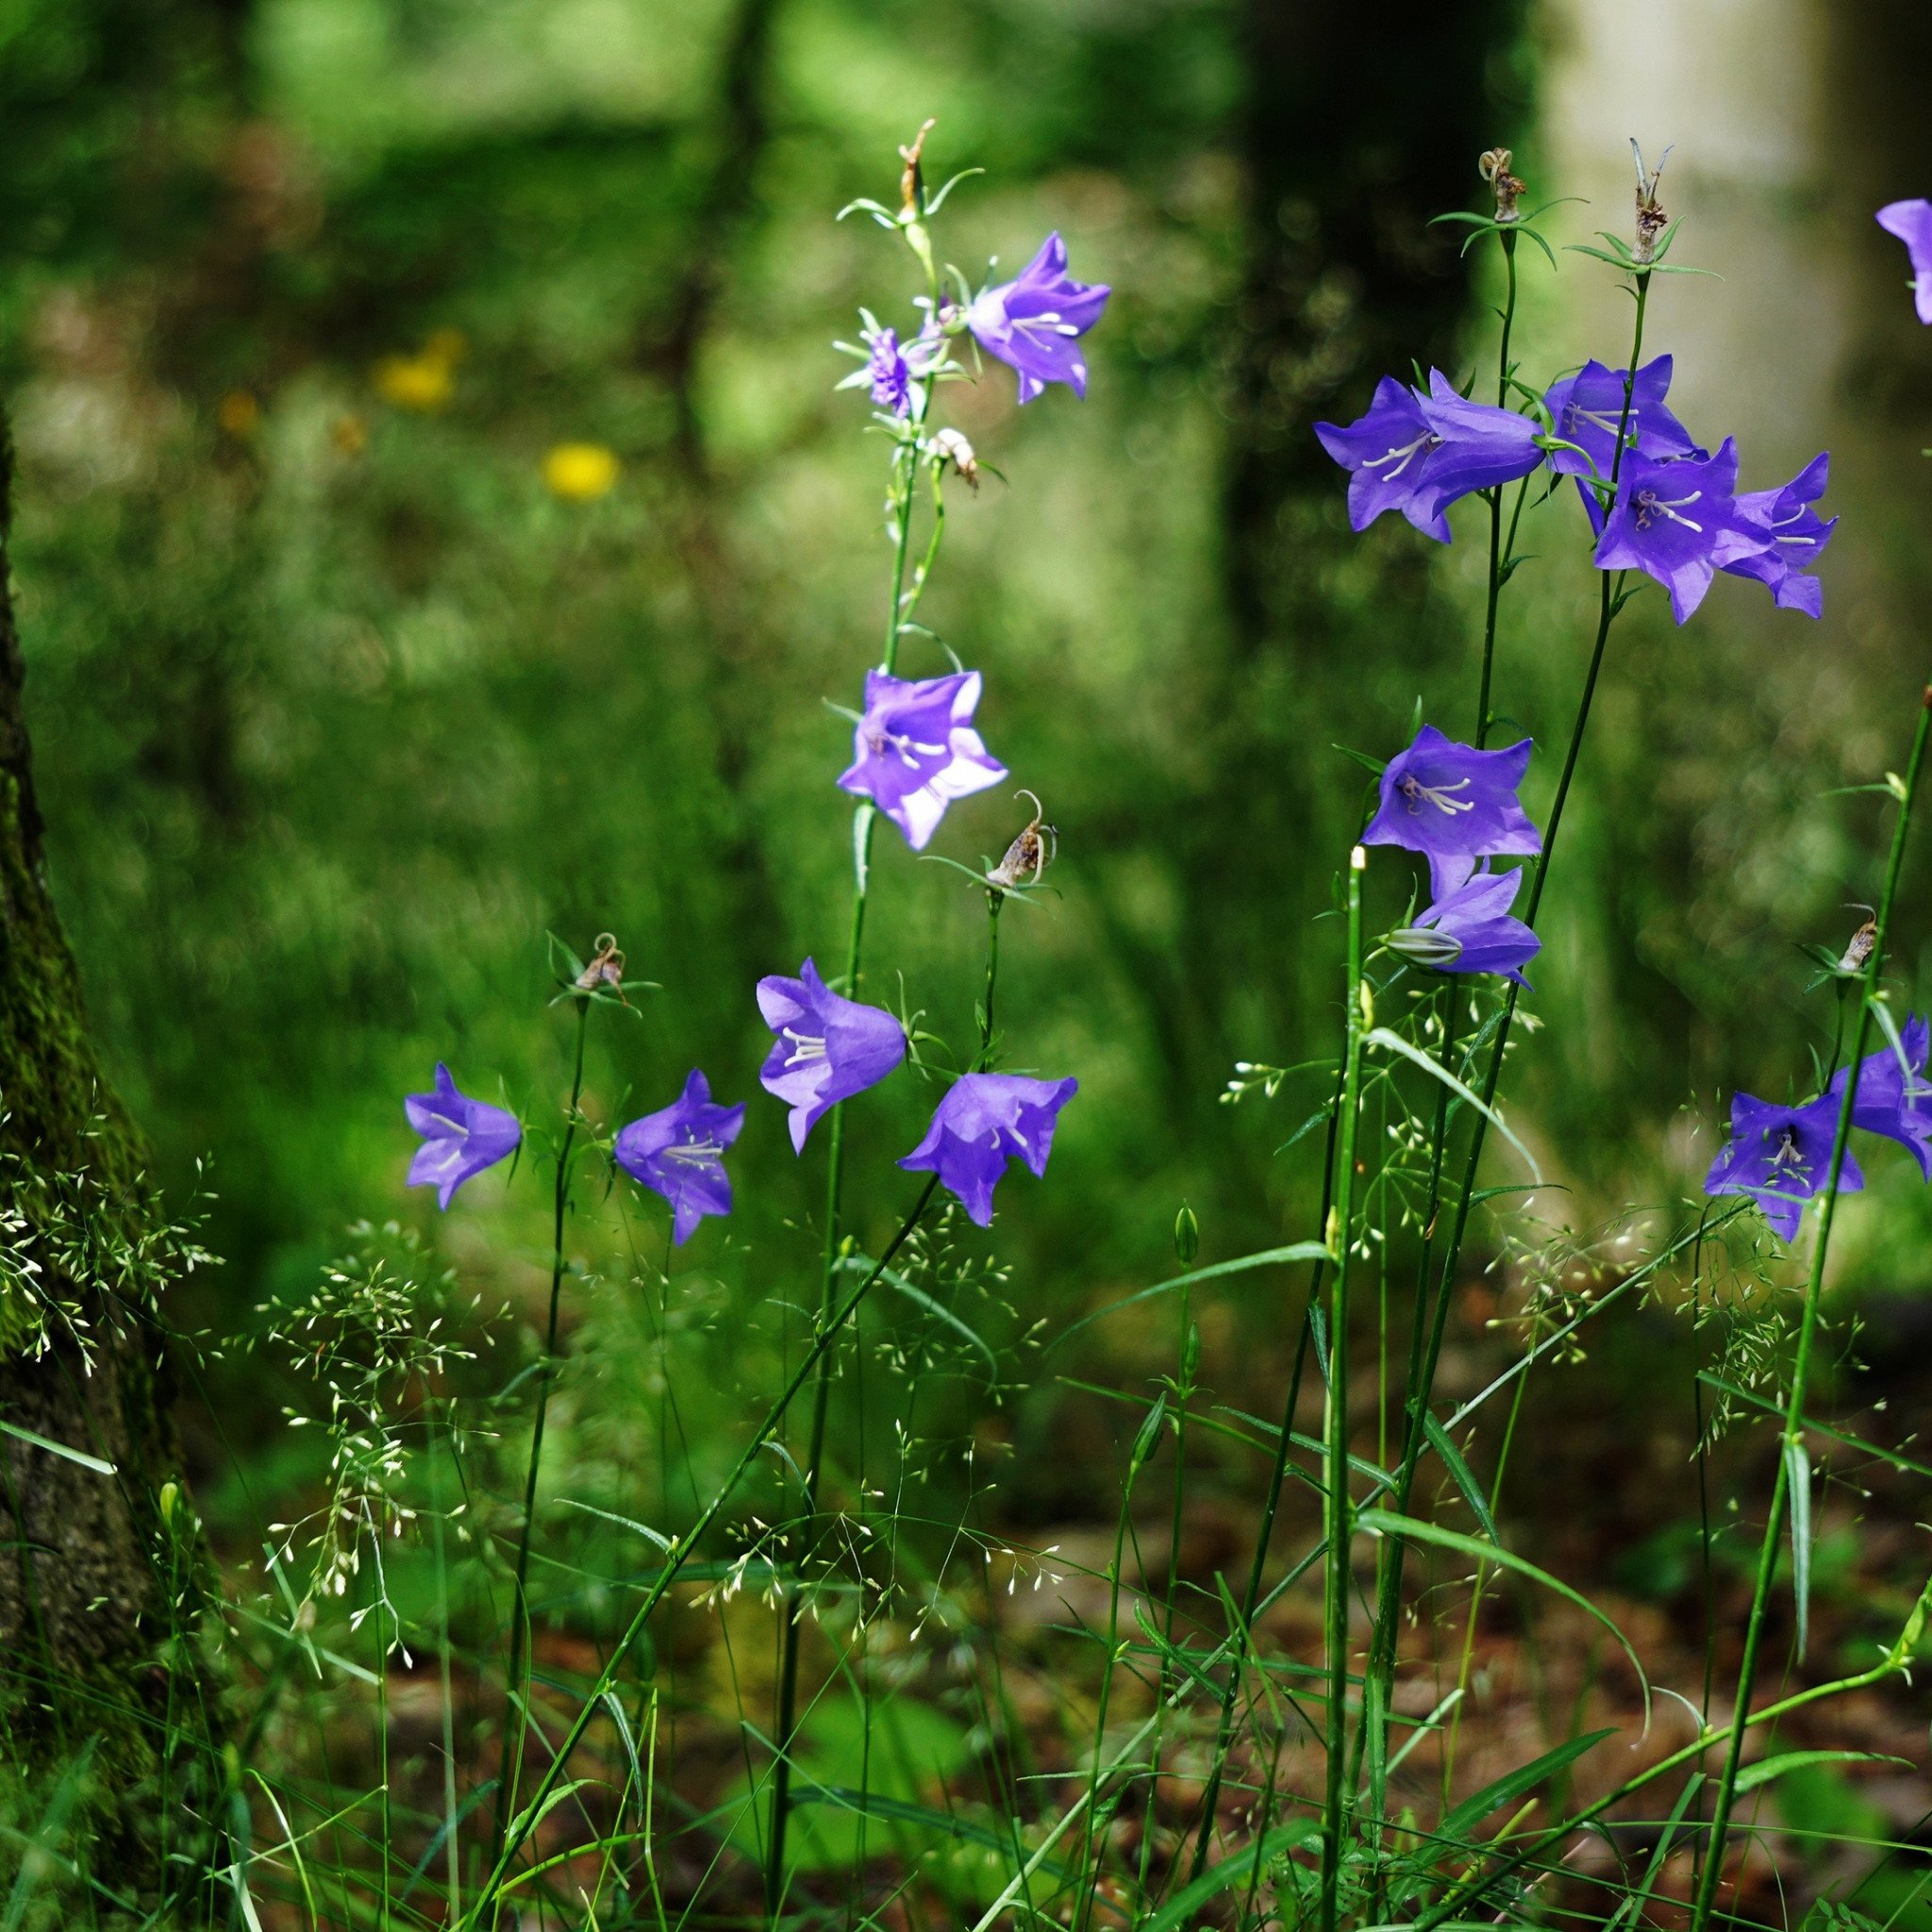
(1389,1600)
(1791,1442)
(1495,495)
(1334,1415)
(516,1715)
(525,1821)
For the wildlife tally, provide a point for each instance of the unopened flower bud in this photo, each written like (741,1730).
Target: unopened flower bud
(1426,944)
(949,446)
(1187,1236)
(1029,854)
(1651,219)
(1493,166)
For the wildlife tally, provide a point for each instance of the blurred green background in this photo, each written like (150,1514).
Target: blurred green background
(340,708)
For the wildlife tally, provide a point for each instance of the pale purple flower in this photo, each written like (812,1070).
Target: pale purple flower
(1418,452)
(1453,805)
(1680,523)
(460,1136)
(888,375)
(679,1151)
(1781,1156)
(984,1121)
(1798,536)
(829,1048)
(915,750)
(1911,221)
(1894,1098)
(1034,322)
(1471,930)
(1586,409)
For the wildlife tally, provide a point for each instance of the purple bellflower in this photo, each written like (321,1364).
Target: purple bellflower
(1418,452)
(985,1120)
(1680,523)
(829,1048)
(1453,805)
(1586,409)
(1798,536)
(1781,1156)
(679,1151)
(1894,1100)
(1034,322)
(460,1136)
(1911,221)
(915,750)
(1471,930)
(891,367)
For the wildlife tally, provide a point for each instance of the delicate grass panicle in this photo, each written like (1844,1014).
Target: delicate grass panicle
(565,1643)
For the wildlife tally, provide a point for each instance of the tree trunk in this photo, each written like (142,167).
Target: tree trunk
(110,1737)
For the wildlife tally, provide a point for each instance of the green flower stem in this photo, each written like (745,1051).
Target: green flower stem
(1337,1579)
(1807,1333)
(1389,1595)
(516,1710)
(1495,495)
(901,603)
(822,1343)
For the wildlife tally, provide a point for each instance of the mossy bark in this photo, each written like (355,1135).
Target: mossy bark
(108,1743)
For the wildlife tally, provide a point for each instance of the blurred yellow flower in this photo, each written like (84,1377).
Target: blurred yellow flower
(580,472)
(415,382)
(237,413)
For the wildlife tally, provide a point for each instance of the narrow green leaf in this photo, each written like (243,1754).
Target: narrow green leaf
(1459,1470)
(914,1294)
(1414,1530)
(1188,1900)
(1768,1768)
(1515,1783)
(52,1448)
(1267,1257)
(1395,1043)
(1798,1481)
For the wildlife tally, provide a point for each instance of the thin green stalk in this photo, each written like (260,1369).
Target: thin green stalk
(1792,1443)
(1334,1415)
(525,1821)
(898,610)
(515,1715)
(1495,495)
(450,1847)
(1388,1607)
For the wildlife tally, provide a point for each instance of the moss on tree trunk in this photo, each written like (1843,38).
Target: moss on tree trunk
(110,1744)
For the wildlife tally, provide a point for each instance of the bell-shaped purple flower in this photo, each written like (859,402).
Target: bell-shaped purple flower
(1781,1156)
(915,750)
(1471,930)
(829,1048)
(1798,536)
(1418,451)
(1586,409)
(984,1121)
(1453,805)
(1894,1098)
(679,1151)
(1680,523)
(1911,221)
(460,1136)
(1034,322)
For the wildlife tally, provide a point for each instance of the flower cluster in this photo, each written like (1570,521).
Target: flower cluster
(1656,501)
(1781,1156)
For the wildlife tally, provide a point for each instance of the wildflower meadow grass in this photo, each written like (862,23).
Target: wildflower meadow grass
(697,1605)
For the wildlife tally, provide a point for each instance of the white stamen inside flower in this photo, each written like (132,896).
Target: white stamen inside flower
(804,1047)
(1428,439)
(695,1153)
(1418,794)
(1649,506)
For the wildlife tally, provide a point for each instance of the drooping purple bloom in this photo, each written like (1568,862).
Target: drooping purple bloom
(1471,930)
(1586,409)
(984,1121)
(1453,805)
(1680,523)
(888,375)
(1034,322)
(1781,1156)
(1798,536)
(460,1136)
(915,750)
(1893,1099)
(1911,221)
(1418,452)
(829,1048)
(679,1151)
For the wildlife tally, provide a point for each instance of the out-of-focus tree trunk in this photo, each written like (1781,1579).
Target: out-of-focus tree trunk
(99,1583)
